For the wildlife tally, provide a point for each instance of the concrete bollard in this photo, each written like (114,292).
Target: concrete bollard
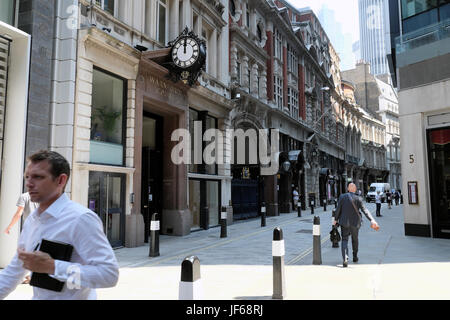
(299,209)
(154,237)
(263,214)
(223,222)
(191,287)
(317,250)
(324,205)
(278,252)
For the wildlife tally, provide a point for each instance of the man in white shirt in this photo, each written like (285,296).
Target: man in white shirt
(24,207)
(93,263)
(378,203)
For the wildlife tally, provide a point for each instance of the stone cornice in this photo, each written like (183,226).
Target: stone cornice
(110,46)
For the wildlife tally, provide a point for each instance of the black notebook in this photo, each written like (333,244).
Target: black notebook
(58,251)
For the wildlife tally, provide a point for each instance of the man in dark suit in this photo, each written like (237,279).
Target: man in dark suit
(349,218)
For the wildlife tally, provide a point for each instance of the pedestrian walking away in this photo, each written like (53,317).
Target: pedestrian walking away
(389,199)
(24,207)
(60,222)
(397,197)
(295,197)
(348,216)
(378,203)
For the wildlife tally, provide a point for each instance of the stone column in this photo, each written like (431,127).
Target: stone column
(174,27)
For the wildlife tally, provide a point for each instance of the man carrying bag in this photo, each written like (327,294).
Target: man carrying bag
(348,216)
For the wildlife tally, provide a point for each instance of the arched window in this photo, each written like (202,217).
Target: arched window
(232,6)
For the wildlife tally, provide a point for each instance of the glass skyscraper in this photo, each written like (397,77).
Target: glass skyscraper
(373,29)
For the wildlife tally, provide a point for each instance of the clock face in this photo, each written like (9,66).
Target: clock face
(185,52)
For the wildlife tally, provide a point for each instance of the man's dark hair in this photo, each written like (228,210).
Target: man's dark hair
(58,164)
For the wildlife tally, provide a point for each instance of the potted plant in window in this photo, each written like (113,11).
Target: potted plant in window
(108,118)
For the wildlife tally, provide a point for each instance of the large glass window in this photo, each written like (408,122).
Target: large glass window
(204,194)
(412,7)
(107,119)
(204,122)
(7,11)
(107,5)
(162,20)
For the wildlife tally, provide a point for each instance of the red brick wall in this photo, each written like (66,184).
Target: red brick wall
(285,78)
(269,50)
(301,92)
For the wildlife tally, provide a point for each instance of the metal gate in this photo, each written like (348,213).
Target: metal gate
(4,53)
(244,197)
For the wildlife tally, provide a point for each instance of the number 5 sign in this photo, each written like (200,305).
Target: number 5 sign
(411,159)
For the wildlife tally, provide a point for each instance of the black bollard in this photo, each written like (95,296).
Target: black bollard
(263,214)
(190,285)
(324,205)
(317,250)
(299,209)
(278,252)
(312,206)
(154,237)
(223,222)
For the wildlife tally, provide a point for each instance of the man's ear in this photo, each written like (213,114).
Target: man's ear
(62,179)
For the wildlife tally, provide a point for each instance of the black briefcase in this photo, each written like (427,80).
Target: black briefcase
(335,236)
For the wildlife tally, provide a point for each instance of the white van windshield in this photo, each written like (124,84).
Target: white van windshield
(372,189)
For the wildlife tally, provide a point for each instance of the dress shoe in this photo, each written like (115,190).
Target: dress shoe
(355,259)
(345,263)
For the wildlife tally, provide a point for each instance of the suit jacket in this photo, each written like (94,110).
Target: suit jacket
(346,214)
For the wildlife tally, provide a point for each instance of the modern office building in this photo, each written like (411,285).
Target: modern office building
(373,23)
(15,46)
(421,65)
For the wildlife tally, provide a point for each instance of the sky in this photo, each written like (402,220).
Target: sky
(346,14)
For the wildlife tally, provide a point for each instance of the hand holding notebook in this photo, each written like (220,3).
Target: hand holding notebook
(38,262)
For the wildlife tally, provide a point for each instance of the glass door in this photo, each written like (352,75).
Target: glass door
(439,165)
(107,199)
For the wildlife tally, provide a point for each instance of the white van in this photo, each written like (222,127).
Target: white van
(374,188)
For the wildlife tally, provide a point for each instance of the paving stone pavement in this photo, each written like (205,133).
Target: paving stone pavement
(239,267)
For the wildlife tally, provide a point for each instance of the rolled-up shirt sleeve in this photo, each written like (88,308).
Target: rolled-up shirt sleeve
(100,268)
(11,277)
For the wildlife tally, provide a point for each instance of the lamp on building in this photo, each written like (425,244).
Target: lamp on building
(286,166)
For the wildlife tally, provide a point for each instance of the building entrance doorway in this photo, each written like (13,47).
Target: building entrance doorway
(439,166)
(107,199)
(152,169)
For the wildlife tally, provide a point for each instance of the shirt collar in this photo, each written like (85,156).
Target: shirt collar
(57,206)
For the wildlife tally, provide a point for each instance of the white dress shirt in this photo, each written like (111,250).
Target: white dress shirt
(93,263)
(377,198)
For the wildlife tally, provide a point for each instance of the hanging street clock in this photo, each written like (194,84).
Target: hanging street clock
(188,57)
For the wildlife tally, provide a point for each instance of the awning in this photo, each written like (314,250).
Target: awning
(293,155)
(325,171)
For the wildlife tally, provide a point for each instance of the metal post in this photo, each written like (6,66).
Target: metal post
(312,206)
(278,252)
(324,204)
(317,250)
(299,209)
(154,237)
(263,214)
(223,222)
(190,285)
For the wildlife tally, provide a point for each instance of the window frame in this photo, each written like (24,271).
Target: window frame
(101,5)
(166,21)
(124,114)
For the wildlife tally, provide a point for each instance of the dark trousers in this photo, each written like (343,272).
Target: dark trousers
(378,209)
(346,232)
